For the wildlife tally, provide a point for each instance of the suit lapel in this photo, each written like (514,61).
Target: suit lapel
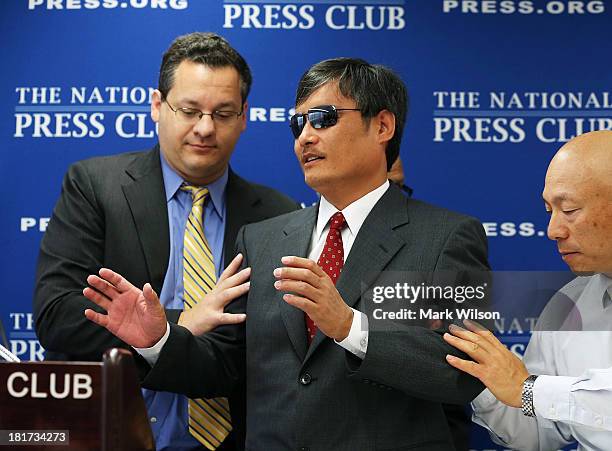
(145,195)
(241,209)
(376,244)
(296,241)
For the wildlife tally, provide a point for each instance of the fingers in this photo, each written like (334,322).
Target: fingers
(474,326)
(305,305)
(222,298)
(475,338)
(300,262)
(119,282)
(460,332)
(149,294)
(97,298)
(297,287)
(301,276)
(235,292)
(474,350)
(305,275)
(103,286)
(231,268)
(98,318)
(234,280)
(232,318)
(482,331)
(464,365)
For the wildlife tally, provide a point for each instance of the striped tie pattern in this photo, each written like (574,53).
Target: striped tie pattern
(209,419)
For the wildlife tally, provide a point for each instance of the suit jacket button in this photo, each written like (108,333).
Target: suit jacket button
(305,379)
(304,448)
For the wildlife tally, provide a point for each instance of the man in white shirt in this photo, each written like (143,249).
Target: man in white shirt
(317,377)
(561,393)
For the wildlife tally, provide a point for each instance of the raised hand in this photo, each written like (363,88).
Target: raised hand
(312,291)
(208,313)
(133,315)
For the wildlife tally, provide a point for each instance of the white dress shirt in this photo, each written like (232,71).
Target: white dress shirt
(354,214)
(572,396)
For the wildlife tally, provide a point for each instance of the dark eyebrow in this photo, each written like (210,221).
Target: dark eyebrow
(225,105)
(189,102)
(195,105)
(561,197)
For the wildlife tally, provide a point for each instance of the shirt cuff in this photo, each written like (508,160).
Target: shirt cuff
(485,401)
(152,354)
(357,340)
(551,397)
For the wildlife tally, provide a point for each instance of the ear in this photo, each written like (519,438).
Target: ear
(245,111)
(156,103)
(385,121)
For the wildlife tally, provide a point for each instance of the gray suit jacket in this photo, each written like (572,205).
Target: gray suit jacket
(322,397)
(113,213)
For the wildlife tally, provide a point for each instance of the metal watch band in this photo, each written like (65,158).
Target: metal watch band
(527,396)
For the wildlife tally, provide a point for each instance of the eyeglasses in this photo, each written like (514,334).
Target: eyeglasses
(193,115)
(322,116)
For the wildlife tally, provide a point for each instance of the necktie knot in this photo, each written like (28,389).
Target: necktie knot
(337,221)
(198,193)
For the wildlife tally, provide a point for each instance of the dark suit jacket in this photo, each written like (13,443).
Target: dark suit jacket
(113,213)
(322,397)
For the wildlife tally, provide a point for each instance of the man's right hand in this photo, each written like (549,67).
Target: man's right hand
(133,315)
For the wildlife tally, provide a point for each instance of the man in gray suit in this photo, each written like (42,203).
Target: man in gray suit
(318,377)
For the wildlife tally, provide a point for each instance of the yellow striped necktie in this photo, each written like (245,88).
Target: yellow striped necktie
(209,419)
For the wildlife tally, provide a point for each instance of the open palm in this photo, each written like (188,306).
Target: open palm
(133,315)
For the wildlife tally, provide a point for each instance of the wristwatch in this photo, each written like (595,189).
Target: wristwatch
(527,396)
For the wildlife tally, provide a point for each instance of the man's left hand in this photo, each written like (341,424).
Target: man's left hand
(500,370)
(312,291)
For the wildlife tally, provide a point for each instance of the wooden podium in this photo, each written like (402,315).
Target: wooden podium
(96,406)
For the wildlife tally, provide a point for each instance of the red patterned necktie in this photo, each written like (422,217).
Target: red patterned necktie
(331,260)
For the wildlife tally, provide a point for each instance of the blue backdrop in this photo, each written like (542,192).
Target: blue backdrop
(495,88)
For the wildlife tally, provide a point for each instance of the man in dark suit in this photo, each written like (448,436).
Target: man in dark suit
(129,212)
(319,375)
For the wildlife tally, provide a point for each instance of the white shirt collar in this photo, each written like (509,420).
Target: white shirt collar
(355,213)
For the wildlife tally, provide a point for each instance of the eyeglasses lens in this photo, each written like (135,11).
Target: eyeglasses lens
(319,117)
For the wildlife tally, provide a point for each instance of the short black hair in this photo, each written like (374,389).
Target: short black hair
(209,49)
(372,86)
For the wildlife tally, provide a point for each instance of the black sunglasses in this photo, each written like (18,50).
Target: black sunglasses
(321,116)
